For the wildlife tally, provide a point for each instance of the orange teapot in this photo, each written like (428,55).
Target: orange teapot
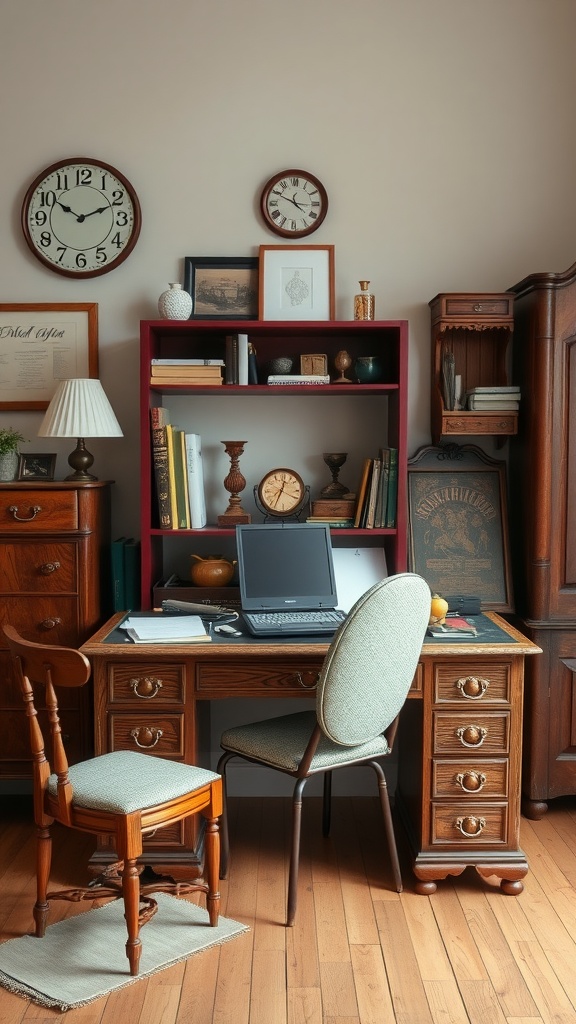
(211,571)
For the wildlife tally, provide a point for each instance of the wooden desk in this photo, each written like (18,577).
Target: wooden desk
(458,790)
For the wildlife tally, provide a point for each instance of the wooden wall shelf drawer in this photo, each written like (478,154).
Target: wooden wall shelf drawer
(457,734)
(463,422)
(477,309)
(158,684)
(490,684)
(162,735)
(472,825)
(461,779)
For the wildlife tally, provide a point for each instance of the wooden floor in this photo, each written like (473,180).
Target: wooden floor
(359,953)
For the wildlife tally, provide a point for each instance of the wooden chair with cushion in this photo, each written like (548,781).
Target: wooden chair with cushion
(362,687)
(123,794)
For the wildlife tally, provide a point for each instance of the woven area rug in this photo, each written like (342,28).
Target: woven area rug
(83,958)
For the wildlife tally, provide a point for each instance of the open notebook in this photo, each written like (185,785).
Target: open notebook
(287,581)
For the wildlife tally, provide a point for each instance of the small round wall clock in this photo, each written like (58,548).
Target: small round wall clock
(294,203)
(281,492)
(81,217)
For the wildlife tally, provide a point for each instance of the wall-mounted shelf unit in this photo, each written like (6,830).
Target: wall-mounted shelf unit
(203,409)
(476,328)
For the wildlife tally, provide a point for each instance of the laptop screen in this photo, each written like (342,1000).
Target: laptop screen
(285,566)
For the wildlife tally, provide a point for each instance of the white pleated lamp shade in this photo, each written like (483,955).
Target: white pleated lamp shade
(80,408)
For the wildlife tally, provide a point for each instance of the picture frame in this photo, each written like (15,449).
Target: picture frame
(458,524)
(36,466)
(222,287)
(42,343)
(296,282)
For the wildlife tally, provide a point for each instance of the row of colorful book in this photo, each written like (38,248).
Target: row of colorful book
(178,474)
(378,492)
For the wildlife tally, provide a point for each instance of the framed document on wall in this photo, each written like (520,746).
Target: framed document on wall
(458,524)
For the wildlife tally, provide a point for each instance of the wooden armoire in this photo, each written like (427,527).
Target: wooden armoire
(542,498)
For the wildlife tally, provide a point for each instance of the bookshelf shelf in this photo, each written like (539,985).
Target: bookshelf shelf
(375,415)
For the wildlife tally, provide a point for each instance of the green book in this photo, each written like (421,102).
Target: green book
(118,574)
(132,574)
(392,488)
(384,474)
(181,481)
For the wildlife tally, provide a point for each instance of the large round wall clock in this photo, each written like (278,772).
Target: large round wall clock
(281,492)
(294,203)
(81,217)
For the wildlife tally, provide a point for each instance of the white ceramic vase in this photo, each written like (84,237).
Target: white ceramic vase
(175,303)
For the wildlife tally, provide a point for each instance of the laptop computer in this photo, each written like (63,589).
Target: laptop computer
(287,580)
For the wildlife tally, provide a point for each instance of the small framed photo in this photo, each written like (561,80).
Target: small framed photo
(36,467)
(222,287)
(296,283)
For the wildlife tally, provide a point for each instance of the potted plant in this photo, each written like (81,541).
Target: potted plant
(9,441)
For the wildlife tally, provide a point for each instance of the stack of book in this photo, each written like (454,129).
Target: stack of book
(492,399)
(197,372)
(378,491)
(334,511)
(178,474)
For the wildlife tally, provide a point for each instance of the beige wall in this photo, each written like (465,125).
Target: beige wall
(442,129)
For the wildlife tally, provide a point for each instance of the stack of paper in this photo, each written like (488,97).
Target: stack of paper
(165,629)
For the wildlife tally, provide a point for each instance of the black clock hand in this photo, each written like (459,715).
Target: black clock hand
(68,209)
(101,209)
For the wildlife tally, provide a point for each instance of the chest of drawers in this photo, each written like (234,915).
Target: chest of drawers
(54,589)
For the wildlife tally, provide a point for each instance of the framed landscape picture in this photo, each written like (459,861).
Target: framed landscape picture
(222,287)
(458,524)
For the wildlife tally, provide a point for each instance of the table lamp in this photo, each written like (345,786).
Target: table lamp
(80,409)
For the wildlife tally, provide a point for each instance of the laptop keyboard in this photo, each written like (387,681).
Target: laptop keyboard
(320,618)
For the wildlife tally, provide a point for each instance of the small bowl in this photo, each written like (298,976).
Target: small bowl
(282,364)
(368,369)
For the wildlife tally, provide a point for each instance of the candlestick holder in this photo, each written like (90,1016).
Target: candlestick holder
(334,461)
(235,483)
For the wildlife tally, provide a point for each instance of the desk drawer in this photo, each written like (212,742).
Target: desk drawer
(162,735)
(38,567)
(468,779)
(473,825)
(487,683)
(258,678)
(38,511)
(44,620)
(151,685)
(470,733)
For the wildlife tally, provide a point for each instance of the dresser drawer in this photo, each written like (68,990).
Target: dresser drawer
(471,733)
(38,567)
(162,734)
(45,620)
(257,677)
(38,510)
(468,779)
(488,683)
(470,825)
(152,685)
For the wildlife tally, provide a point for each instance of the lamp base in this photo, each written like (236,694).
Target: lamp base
(80,460)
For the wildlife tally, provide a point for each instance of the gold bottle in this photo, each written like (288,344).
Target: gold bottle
(364,303)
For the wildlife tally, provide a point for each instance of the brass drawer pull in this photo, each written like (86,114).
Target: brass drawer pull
(472,687)
(50,623)
(472,735)
(470,781)
(306,686)
(49,567)
(146,688)
(146,737)
(35,509)
(471,827)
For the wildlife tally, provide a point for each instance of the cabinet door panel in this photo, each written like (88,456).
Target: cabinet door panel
(38,567)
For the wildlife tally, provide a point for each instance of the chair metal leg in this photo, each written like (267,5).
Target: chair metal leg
(388,824)
(131,894)
(295,851)
(212,865)
(327,804)
(43,861)
(224,835)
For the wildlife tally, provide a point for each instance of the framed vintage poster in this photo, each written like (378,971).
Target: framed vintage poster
(41,344)
(458,524)
(296,282)
(222,287)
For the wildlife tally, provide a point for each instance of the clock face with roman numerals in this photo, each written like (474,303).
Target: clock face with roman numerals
(294,203)
(81,217)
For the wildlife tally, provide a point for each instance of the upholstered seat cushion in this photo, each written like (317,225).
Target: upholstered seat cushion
(281,742)
(126,781)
